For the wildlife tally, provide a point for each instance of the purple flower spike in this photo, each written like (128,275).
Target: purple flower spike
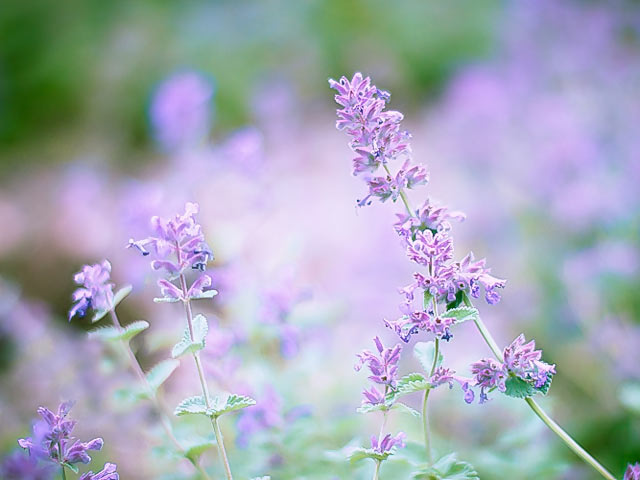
(177,244)
(525,361)
(388,443)
(489,374)
(107,473)
(384,366)
(632,472)
(96,290)
(427,217)
(20,466)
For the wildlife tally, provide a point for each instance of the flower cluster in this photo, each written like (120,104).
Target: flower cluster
(52,441)
(376,138)
(19,466)
(387,443)
(443,376)
(108,472)
(177,245)
(632,472)
(521,360)
(96,290)
(427,217)
(383,368)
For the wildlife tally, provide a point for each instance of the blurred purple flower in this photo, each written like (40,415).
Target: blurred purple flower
(96,291)
(266,414)
(181,110)
(20,466)
(632,472)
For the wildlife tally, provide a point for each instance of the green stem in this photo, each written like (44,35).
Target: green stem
(203,383)
(64,475)
(160,410)
(549,422)
(376,472)
(425,426)
(221,449)
(567,439)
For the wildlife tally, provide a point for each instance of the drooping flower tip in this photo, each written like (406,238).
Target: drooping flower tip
(96,290)
(107,473)
(632,472)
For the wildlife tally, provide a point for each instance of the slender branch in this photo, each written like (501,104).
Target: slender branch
(160,409)
(376,472)
(64,475)
(203,383)
(425,426)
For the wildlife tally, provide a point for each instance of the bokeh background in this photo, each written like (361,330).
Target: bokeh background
(526,113)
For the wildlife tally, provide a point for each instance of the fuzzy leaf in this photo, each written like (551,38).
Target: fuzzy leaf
(195,448)
(424,352)
(200,330)
(121,295)
(461,313)
(362,453)
(161,372)
(447,468)
(405,408)
(166,300)
(414,382)
(368,408)
(111,334)
(219,405)
(206,294)
(518,388)
(191,406)
(70,466)
(98,315)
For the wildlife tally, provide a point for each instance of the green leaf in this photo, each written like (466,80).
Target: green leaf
(405,408)
(447,468)
(368,408)
(161,372)
(545,388)
(111,334)
(424,352)
(121,295)
(219,405)
(207,294)
(518,388)
(195,448)
(629,395)
(70,466)
(98,315)
(414,382)
(200,330)
(460,296)
(462,313)
(362,453)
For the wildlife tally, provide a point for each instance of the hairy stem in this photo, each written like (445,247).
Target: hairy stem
(160,409)
(376,472)
(203,383)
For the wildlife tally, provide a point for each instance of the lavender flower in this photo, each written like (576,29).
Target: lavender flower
(388,443)
(107,473)
(426,217)
(265,415)
(384,366)
(520,360)
(632,472)
(376,138)
(177,245)
(52,438)
(443,376)
(95,292)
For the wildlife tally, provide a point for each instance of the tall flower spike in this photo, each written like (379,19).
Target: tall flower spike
(96,290)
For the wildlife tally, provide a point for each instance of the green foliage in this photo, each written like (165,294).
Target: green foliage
(385,407)
(219,405)
(160,373)
(462,313)
(447,468)
(629,395)
(112,334)
(362,453)
(166,300)
(70,466)
(194,448)
(425,352)
(519,388)
(414,382)
(186,345)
